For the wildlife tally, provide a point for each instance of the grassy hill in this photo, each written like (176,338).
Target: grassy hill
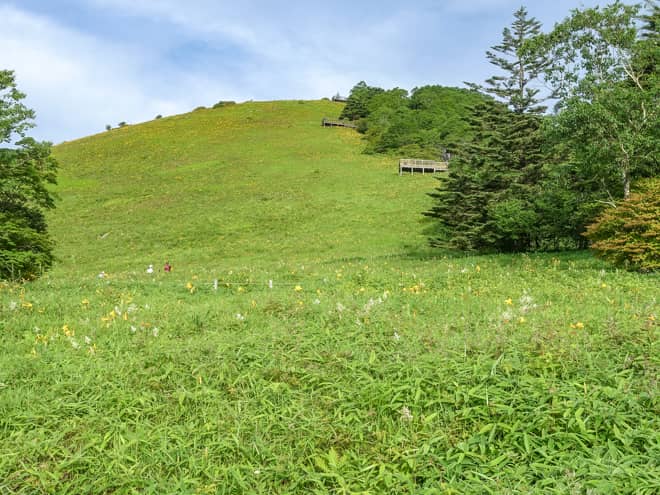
(307,341)
(261,182)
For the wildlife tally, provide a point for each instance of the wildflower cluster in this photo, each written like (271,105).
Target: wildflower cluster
(525,305)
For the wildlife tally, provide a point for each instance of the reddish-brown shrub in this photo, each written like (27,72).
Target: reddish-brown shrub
(629,235)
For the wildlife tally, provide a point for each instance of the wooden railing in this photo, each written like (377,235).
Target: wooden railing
(412,164)
(337,123)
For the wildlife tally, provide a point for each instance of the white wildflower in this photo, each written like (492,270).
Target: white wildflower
(396,336)
(132,308)
(155,332)
(74,343)
(13,305)
(526,303)
(133,329)
(406,415)
(370,304)
(340,307)
(507,315)
(150,269)
(101,275)
(117,310)
(240,317)
(317,301)
(270,284)
(87,340)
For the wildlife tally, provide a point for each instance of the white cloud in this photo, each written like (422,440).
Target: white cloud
(77,84)
(74,83)
(200,51)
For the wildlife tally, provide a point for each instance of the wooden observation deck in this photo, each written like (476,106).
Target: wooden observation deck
(413,165)
(337,123)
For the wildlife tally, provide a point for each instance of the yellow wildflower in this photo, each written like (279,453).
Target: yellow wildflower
(297,288)
(67,331)
(509,302)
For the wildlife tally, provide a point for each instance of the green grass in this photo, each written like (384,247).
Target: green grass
(372,364)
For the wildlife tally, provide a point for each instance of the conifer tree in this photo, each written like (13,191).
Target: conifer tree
(486,203)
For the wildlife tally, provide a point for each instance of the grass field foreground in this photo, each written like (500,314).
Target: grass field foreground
(307,341)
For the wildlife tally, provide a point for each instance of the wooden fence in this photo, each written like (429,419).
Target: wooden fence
(413,165)
(337,123)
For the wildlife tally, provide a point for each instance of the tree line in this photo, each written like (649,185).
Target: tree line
(525,178)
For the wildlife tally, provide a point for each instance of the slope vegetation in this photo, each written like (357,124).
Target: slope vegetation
(258,181)
(305,342)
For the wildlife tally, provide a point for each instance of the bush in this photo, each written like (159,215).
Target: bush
(122,124)
(197,109)
(222,103)
(25,252)
(159,116)
(629,234)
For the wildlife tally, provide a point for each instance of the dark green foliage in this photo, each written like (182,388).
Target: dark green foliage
(488,200)
(521,66)
(421,125)
(25,170)
(122,124)
(357,105)
(108,127)
(25,246)
(223,103)
(628,235)
(159,116)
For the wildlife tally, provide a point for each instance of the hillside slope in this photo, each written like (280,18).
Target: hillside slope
(255,182)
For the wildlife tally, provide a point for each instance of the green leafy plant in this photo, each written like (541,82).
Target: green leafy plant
(26,168)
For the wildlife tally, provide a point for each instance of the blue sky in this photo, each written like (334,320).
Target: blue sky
(88,63)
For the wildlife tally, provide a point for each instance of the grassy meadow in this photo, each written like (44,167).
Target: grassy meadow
(307,340)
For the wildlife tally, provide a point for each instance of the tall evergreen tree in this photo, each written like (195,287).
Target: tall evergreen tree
(486,202)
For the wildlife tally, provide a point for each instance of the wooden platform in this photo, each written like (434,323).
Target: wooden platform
(413,165)
(337,123)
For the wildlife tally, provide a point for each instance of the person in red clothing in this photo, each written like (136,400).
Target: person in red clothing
(167,267)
